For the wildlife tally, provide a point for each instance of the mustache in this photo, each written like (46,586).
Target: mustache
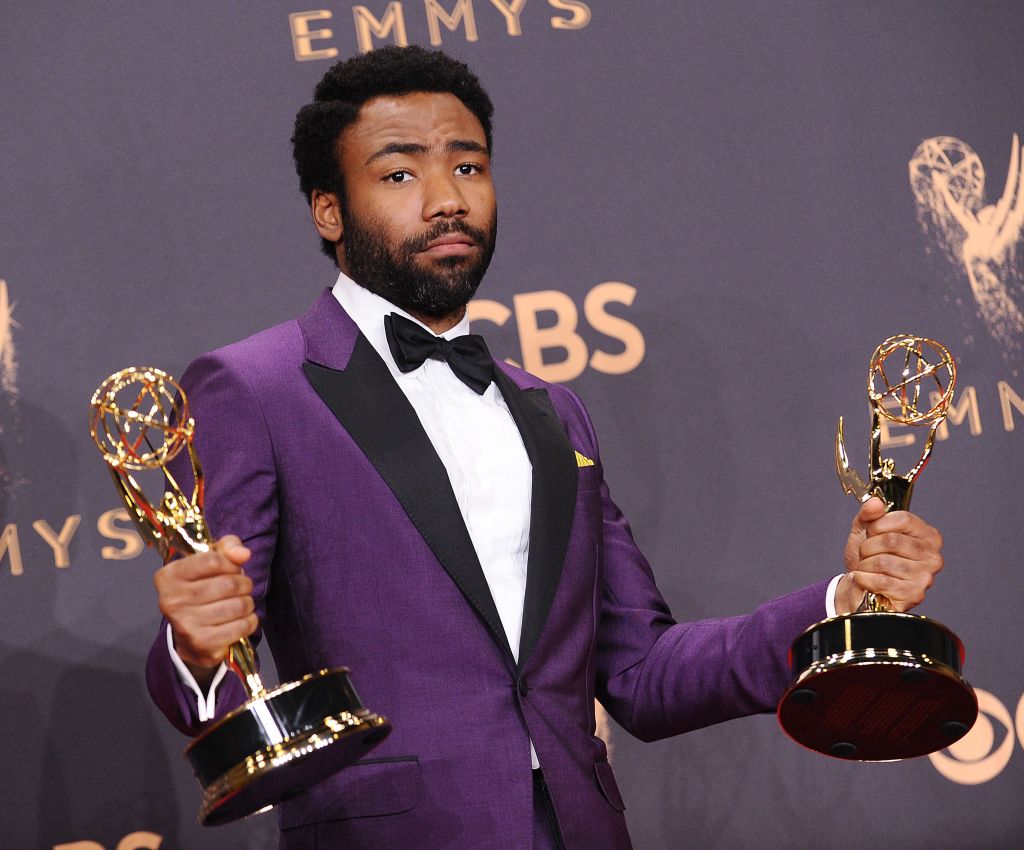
(446,228)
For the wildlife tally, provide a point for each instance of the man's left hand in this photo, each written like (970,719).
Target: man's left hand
(896,555)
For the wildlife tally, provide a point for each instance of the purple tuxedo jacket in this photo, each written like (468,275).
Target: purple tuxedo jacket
(315,458)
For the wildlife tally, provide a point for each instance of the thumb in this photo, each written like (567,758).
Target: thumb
(873,509)
(233,549)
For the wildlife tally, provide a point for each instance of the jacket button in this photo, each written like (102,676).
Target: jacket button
(523,687)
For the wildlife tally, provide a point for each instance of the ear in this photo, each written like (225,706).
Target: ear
(326,210)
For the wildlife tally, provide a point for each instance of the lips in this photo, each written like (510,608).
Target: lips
(449,244)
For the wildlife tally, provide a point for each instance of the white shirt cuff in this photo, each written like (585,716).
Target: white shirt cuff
(206,704)
(830,597)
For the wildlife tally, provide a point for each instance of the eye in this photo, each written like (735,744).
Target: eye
(400,176)
(467,169)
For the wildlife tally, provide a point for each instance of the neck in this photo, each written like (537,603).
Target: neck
(442,324)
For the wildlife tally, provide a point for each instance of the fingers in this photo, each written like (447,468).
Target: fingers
(207,600)
(904,522)
(216,610)
(897,548)
(871,511)
(178,589)
(898,557)
(206,564)
(205,644)
(904,594)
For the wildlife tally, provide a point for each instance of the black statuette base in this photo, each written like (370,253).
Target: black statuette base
(877,686)
(279,744)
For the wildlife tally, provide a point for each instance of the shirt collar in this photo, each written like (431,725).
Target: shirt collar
(367,310)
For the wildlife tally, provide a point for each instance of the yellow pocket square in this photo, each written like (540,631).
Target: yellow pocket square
(583,460)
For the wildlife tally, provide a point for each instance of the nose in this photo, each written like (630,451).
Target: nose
(443,198)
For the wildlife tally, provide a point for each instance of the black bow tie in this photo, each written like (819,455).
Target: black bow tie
(467,355)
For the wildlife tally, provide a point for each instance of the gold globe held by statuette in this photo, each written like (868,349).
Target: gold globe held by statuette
(140,419)
(906,369)
(911,380)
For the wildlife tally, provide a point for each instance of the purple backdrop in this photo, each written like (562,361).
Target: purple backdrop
(707,224)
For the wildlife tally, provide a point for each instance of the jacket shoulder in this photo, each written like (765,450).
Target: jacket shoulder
(262,349)
(272,353)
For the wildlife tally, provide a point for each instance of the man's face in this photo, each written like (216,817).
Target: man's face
(418,213)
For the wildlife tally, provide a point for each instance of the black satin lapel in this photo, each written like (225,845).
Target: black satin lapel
(552,505)
(379,417)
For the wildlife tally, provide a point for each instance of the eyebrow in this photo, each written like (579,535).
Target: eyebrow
(454,146)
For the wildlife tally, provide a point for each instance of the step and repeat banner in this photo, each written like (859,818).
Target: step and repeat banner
(711,214)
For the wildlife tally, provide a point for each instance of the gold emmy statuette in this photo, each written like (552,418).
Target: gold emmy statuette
(879,685)
(280,741)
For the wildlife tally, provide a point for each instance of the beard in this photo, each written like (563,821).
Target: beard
(391,270)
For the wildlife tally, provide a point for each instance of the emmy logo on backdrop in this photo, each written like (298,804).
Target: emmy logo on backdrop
(280,741)
(10,479)
(948,181)
(8,361)
(879,685)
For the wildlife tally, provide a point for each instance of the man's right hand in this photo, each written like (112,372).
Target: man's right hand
(208,601)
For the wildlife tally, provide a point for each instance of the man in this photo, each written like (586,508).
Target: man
(443,527)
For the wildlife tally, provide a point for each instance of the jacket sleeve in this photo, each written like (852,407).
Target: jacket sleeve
(234,447)
(657,677)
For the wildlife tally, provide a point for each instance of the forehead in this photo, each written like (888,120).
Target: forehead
(427,118)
